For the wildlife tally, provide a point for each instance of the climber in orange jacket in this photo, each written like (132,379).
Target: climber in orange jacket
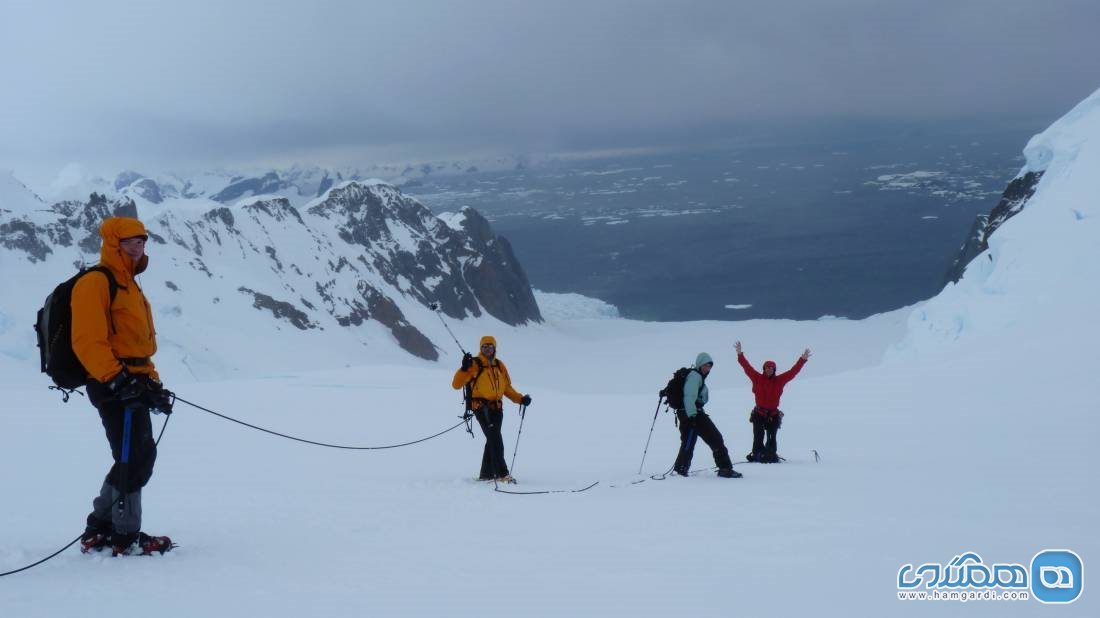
(114,340)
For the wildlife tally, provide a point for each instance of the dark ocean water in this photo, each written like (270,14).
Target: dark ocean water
(796,231)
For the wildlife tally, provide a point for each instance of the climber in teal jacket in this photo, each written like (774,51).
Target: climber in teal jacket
(694,422)
(696,394)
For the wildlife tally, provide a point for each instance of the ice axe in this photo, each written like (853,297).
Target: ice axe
(467,416)
(435,307)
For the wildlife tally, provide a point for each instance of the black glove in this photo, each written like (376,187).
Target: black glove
(160,399)
(126,388)
(467,361)
(526,401)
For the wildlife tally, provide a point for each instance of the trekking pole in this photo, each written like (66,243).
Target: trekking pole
(660,398)
(435,307)
(522,415)
(124,459)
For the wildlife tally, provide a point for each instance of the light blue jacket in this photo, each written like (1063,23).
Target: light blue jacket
(695,387)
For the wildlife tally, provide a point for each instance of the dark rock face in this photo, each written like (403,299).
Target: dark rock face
(326,184)
(127,178)
(385,227)
(1015,196)
(269,183)
(89,215)
(148,189)
(1019,191)
(199,265)
(974,245)
(277,209)
(76,222)
(498,280)
(24,236)
(429,261)
(280,309)
(384,310)
(220,214)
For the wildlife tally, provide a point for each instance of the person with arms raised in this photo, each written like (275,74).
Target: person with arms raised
(766,417)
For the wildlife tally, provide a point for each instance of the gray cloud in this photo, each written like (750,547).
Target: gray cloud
(201,82)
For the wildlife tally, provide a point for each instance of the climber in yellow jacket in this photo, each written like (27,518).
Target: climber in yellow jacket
(489,383)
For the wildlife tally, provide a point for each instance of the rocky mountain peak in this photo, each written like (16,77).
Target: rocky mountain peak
(362,259)
(65,224)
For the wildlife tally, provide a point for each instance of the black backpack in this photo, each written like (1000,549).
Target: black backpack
(54,327)
(673,392)
(468,390)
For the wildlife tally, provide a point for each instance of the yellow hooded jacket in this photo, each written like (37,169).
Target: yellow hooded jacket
(105,331)
(494,382)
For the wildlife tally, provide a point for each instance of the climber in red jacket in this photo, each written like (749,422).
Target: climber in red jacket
(766,417)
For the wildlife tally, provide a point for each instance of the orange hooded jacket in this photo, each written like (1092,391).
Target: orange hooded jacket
(105,331)
(494,382)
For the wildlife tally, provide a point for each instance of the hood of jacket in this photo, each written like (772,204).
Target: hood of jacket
(702,359)
(484,340)
(111,255)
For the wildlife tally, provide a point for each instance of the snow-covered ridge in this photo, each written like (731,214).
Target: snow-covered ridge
(1059,145)
(360,266)
(1043,261)
(299,184)
(15,196)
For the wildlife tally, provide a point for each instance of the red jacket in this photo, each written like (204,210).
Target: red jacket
(769,390)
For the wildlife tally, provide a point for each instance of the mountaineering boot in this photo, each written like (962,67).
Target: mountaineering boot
(680,471)
(769,458)
(753,456)
(140,544)
(507,478)
(729,473)
(94,540)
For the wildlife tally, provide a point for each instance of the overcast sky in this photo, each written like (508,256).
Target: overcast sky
(192,84)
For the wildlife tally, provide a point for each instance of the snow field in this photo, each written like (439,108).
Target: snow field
(918,464)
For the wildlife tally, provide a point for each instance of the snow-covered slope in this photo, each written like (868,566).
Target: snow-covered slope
(573,306)
(15,197)
(1039,275)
